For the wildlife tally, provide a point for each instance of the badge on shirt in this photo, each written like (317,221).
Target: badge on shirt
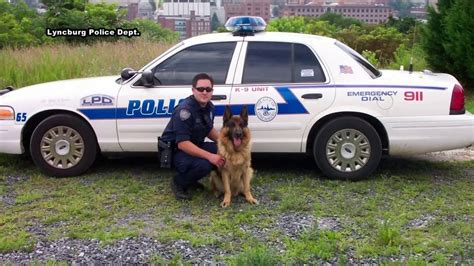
(184,114)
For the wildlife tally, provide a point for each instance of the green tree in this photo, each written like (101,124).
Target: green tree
(302,25)
(459,25)
(402,6)
(383,41)
(215,22)
(150,30)
(288,24)
(275,11)
(18,25)
(339,20)
(351,35)
(153,4)
(448,39)
(403,25)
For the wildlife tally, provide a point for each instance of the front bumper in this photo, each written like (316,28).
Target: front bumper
(10,138)
(422,134)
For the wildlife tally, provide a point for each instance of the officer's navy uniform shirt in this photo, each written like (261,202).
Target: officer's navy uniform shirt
(190,122)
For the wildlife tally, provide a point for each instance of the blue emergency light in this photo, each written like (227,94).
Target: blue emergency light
(245,25)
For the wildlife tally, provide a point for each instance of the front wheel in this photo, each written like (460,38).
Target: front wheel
(347,148)
(63,145)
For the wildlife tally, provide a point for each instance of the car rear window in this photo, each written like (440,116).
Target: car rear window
(280,62)
(369,68)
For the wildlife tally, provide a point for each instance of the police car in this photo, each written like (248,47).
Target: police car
(305,94)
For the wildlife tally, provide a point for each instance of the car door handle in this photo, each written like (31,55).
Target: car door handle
(312,96)
(218,97)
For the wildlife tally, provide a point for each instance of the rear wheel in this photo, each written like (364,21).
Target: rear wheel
(347,148)
(63,145)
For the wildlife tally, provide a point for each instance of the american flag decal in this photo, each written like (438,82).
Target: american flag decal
(345,69)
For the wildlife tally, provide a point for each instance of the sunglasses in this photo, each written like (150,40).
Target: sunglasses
(201,89)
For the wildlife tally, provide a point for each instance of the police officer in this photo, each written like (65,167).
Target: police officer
(192,121)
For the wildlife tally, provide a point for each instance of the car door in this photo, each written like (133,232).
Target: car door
(284,86)
(143,112)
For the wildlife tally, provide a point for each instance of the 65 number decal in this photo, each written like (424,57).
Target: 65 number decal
(21,117)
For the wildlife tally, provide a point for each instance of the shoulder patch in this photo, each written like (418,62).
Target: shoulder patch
(184,114)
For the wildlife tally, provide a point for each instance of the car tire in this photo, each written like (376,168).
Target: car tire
(63,145)
(347,148)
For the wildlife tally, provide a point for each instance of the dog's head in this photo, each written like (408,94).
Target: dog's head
(235,128)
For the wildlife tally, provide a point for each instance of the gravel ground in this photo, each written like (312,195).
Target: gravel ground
(144,249)
(466,154)
(9,197)
(129,250)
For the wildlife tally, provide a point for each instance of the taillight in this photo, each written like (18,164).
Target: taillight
(457,101)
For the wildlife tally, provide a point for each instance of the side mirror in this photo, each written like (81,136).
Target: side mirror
(147,77)
(127,73)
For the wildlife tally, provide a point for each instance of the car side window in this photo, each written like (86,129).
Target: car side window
(267,62)
(278,62)
(211,58)
(306,65)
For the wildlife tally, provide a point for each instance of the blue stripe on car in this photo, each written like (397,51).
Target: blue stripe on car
(291,105)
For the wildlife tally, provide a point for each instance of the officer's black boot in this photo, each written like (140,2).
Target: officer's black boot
(197,186)
(179,191)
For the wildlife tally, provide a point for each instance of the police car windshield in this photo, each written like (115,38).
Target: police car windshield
(368,67)
(162,55)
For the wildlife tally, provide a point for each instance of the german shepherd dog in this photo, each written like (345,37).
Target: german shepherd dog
(234,145)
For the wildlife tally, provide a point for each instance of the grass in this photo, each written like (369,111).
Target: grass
(469,99)
(131,198)
(22,67)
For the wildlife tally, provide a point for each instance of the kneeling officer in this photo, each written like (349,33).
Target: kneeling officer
(192,121)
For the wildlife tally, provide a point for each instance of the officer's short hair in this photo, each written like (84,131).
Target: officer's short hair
(202,76)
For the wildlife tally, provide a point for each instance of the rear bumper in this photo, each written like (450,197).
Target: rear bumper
(413,135)
(10,137)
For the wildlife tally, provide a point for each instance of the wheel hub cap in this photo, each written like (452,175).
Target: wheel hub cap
(348,150)
(62,147)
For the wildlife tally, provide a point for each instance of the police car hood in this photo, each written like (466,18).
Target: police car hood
(425,78)
(66,88)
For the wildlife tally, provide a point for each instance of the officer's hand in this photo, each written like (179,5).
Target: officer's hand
(217,160)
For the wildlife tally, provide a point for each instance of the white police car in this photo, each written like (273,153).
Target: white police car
(305,94)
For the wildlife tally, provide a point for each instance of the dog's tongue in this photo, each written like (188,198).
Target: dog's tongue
(237,142)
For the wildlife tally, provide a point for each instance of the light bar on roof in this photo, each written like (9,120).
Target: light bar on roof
(245,25)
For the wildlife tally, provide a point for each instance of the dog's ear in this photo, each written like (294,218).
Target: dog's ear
(244,114)
(227,114)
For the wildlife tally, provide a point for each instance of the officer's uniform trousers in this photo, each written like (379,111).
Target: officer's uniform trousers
(190,168)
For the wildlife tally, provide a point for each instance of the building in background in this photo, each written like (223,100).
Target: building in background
(187,17)
(145,10)
(372,12)
(259,8)
(132,6)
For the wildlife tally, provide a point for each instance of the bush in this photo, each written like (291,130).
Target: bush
(20,26)
(403,56)
(448,39)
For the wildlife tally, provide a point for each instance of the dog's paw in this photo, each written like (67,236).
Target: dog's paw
(225,203)
(252,201)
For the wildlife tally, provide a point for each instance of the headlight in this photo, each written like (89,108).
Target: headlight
(7,113)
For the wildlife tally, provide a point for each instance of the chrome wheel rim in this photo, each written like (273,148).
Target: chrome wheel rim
(62,147)
(348,150)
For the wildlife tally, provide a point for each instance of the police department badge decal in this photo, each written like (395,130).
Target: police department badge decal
(266,109)
(184,114)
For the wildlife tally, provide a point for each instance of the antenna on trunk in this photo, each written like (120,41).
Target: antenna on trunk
(410,67)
